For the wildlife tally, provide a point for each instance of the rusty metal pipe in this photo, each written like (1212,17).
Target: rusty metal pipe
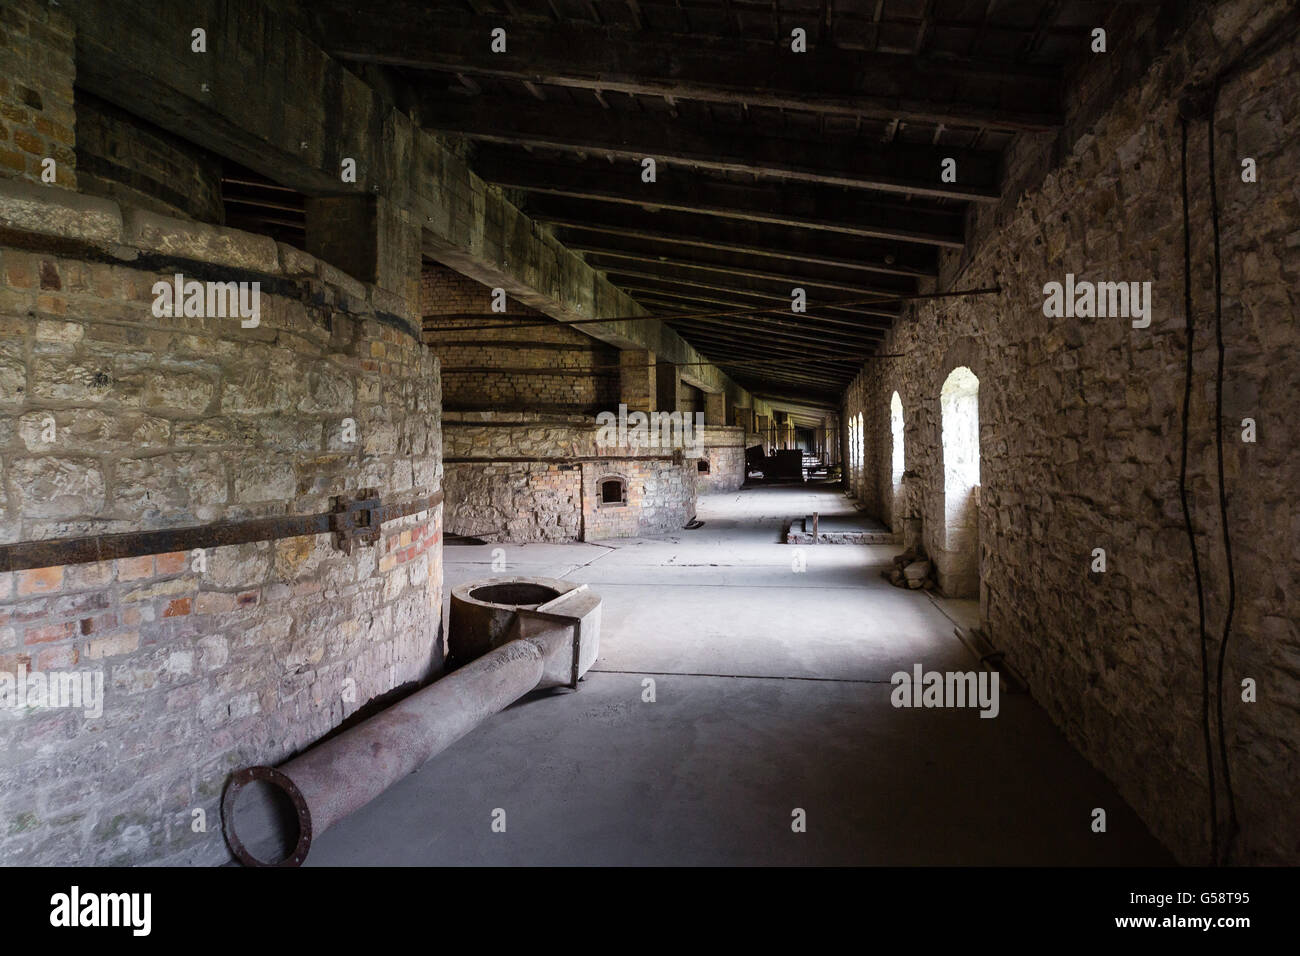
(343,774)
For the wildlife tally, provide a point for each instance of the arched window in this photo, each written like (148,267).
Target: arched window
(898,462)
(959,405)
(896,434)
(862,443)
(613,492)
(702,466)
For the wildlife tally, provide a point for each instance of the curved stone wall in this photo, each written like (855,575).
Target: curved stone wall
(123,158)
(115,418)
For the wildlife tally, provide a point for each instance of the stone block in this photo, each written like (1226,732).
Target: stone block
(206,243)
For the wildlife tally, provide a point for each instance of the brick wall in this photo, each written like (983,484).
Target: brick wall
(1080,433)
(660,497)
(123,158)
(114,419)
(37,119)
(547,367)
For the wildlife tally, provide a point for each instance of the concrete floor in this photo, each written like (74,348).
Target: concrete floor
(772,693)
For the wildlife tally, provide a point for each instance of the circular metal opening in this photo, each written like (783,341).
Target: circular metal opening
(518,593)
(294,814)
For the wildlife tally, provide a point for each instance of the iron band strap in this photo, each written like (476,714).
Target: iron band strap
(351,520)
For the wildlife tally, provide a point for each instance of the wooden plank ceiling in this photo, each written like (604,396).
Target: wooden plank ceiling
(774,169)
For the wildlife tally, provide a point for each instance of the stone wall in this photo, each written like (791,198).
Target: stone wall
(1080,432)
(526,476)
(523,461)
(37,120)
(724,450)
(689,399)
(113,418)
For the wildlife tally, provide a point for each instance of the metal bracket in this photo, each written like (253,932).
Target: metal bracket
(356,520)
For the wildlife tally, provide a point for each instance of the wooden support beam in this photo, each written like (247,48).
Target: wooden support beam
(721,343)
(820,382)
(823,208)
(763,305)
(828,387)
(832,398)
(760,329)
(754,337)
(764,334)
(771,344)
(779,294)
(609,252)
(791,367)
(819,323)
(792,371)
(891,167)
(998,93)
(678,233)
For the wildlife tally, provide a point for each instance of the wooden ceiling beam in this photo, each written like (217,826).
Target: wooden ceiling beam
(818,208)
(779,301)
(902,168)
(832,80)
(808,278)
(679,233)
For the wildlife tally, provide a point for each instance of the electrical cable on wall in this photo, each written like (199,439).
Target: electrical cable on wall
(1182,493)
(1223,493)
(1203,103)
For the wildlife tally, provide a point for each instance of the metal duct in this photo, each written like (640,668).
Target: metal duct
(547,647)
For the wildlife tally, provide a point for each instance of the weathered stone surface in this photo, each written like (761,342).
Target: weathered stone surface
(13,380)
(90,430)
(29,207)
(239,655)
(724,452)
(522,476)
(264,480)
(1080,424)
(200,241)
(173,392)
(57,487)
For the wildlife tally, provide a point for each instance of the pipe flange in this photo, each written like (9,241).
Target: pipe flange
(236,783)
